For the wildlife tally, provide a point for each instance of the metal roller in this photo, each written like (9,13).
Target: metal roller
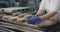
(9,10)
(2,29)
(13,9)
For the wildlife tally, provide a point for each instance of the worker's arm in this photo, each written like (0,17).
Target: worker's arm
(54,7)
(48,15)
(36,17)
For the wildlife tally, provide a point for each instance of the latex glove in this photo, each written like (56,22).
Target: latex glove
(34,19)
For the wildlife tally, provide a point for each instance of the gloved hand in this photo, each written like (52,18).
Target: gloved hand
(34,19)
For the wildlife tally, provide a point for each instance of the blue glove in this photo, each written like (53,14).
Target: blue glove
(34,19)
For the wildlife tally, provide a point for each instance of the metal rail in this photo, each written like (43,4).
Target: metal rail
(17,27)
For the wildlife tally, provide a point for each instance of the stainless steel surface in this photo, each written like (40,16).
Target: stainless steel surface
(14,9)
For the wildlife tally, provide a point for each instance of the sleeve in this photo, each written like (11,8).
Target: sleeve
(55,5)
(42,5)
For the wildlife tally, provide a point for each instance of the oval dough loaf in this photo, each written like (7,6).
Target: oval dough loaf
(25,13)
(21,15)
(21,20)
(16,14)
(28,16)
(5,18)
(12,19)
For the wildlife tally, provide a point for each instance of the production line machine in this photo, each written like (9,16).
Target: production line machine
(17,21)
(17,18)
(20,22)
(14,18)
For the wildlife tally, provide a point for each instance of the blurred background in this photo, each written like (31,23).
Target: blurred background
(33,5)
(23,6)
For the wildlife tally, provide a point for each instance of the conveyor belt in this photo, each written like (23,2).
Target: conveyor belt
(17,27)
(2,29)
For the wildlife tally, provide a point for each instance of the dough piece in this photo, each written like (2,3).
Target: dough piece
(31,26)
(21,15)
(25,13)
(12,19)
(19,12)
(28,16)
(16,14)
(5,18)
(21,20)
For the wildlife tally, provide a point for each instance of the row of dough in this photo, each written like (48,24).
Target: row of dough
(22,15)
(16,17)
(17,20)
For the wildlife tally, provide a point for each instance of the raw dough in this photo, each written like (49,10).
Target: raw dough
(12,19)
(28,16)
(5,18)
(21,19)
(21,15)
(16,14)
